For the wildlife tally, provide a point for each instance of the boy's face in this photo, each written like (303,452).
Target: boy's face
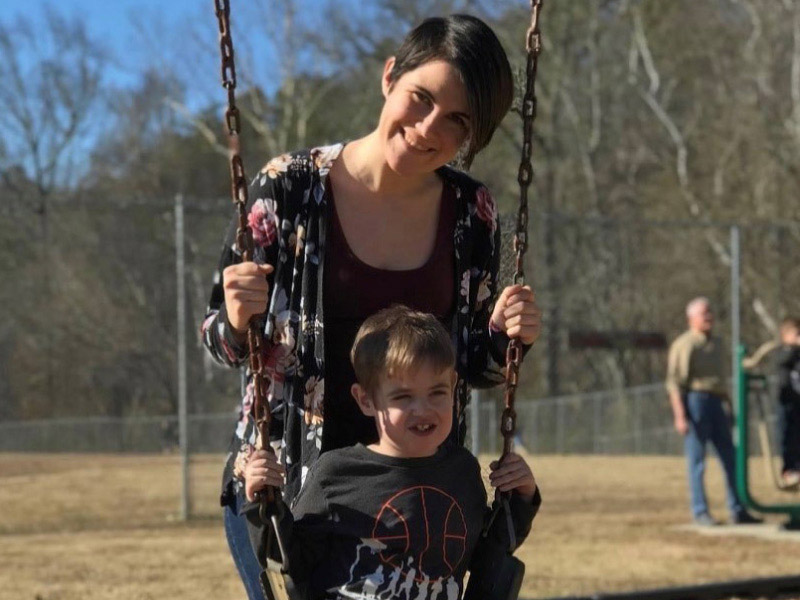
(413,411)
(790,336)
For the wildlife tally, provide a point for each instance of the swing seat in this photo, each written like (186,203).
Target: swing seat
(277,584)
(496,574)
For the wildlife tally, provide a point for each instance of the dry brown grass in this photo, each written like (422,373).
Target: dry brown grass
(94,527)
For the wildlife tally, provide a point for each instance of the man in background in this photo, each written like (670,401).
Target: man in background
(697,389)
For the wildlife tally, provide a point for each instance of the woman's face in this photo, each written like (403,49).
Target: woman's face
(425,119)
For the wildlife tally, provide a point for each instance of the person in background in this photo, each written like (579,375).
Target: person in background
(788,367)
(696,384)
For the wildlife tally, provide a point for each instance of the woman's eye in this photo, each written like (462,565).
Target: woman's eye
(462,122)
(420,97)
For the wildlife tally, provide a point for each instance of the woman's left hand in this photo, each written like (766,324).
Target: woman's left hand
(517,315)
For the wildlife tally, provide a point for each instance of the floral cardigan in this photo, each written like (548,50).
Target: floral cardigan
(288,215)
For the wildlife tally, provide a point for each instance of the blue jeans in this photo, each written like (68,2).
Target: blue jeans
(708,423)
(242,552)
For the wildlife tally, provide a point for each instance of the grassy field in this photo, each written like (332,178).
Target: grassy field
(94,527)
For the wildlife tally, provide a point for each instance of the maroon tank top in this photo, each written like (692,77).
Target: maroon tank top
(353,290)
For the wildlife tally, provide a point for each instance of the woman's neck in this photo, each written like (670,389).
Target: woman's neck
(364,163)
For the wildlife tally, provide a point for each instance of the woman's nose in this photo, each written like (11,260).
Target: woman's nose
(428,125)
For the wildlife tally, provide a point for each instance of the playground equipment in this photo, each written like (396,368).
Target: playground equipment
(749,384)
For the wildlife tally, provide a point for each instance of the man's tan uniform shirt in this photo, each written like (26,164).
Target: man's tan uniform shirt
(696,363)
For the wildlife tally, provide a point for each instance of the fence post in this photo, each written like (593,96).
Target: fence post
(180,275)
(596,424)
(637,423)
(560,426)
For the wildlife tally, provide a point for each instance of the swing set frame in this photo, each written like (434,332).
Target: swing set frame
(500,577)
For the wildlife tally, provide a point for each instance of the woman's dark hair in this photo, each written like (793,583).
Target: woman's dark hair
(473,49)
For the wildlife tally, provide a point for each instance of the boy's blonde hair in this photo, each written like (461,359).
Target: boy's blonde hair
(397,340)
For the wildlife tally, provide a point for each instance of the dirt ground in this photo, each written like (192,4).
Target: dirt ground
(94,527)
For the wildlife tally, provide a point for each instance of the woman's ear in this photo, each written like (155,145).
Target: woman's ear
(386,79)
(363,399)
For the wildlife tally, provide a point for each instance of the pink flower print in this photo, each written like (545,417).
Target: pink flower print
(465,284)
(247,401)
(242,459)
(247,407)
(324,156)
(483,290)
(486,208)
(263,222)
(315,391)
(279,164)
(276,357)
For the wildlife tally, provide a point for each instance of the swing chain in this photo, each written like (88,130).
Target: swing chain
(244,239)
(533,46)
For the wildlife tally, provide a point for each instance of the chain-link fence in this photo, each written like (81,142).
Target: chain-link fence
(634,421)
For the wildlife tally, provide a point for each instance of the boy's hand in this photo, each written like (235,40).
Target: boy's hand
(262,470)
(513,474)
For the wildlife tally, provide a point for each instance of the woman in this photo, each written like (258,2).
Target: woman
(345,230)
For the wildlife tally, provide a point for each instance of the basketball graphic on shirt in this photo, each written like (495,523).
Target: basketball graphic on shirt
(422,528)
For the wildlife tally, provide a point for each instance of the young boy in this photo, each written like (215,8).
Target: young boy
(788,362)
(399,518)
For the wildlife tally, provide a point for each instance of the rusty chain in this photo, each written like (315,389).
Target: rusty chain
(533,45)
(244,238)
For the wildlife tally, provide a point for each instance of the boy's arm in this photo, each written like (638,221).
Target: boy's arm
(523,511)
(514,475)
(305,538)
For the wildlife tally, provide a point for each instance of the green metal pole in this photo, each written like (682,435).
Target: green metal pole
(742,453)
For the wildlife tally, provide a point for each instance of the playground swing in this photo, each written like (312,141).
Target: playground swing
(758,390)
(495,574)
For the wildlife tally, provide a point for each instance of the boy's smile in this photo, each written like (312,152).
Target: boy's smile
(413,411)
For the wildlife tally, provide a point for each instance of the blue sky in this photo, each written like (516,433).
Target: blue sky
(170,25)
(113,24)
(110,23)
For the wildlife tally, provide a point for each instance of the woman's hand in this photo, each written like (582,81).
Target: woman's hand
(263,470)
(517,315)
(513,474)
(246,293)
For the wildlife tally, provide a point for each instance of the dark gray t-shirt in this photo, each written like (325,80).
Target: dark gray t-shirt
(368,525)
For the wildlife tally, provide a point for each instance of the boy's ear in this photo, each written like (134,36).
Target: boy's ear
(363,399)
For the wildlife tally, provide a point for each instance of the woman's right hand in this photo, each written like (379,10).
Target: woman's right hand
(262,470)
(246,293)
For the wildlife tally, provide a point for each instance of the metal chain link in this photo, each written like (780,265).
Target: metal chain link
(244,238)
(533,45)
